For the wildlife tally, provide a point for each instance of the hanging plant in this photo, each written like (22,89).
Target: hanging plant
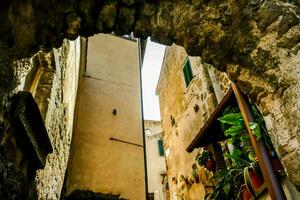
(202,156)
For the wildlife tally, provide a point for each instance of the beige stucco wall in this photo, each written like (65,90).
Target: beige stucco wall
(156,164)
(111,82)
(178,101)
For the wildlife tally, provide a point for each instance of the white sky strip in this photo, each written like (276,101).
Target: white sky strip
(150,74)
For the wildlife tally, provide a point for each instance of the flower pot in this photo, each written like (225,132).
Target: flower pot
(245,194)
(256,180)
(210,165)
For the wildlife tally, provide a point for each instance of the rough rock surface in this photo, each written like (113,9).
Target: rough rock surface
(49,181)
(255,41)
(16,182)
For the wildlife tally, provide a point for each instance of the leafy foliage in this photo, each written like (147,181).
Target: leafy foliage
(261,122)
(242,156)
(202,157)
(229,181)
(255,129)
(234,128)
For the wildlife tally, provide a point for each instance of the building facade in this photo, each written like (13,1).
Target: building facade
(187,99)
(86,93)
(156,163)
(191,92)
(107,156)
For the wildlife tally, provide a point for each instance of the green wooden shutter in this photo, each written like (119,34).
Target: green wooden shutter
(160,147)
(186,77)
(187,72)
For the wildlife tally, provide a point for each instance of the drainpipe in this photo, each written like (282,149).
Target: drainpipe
(143,127)
(272,181)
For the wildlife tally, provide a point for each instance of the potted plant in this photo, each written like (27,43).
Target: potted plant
(240,181)
(244,193)
(253,178)
(233,127)
(265,137)
(203,158)
(229,182)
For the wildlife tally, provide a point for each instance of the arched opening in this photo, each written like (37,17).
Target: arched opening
(256,43)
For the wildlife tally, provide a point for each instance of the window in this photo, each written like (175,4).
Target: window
(161,148)
(187,72)
(150,196)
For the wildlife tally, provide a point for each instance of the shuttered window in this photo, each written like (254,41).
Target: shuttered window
(160,147)
(187,72)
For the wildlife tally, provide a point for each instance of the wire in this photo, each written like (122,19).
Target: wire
(113,82)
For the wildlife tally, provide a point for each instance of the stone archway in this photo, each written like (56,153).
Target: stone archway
(256,42)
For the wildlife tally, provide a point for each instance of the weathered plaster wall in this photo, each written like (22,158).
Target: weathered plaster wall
(256,42)
(98,164)
(190,107)
(156,164)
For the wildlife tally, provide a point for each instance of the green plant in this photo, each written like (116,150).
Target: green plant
(262,127)
(229,182)
(202,156)
(232,124)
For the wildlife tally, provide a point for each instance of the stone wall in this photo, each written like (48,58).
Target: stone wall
(184,110)
(59,120)
(255,42)
(21,180)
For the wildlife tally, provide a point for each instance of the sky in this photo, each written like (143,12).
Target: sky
(150,74)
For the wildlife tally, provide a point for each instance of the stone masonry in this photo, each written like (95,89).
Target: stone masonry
(184,111)
(45,183)
(255,41)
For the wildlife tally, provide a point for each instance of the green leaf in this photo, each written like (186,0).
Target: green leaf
(234,130)
(255,129)
(229,141)
(232,119)
(226,188)
(236,153)
(251,156)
